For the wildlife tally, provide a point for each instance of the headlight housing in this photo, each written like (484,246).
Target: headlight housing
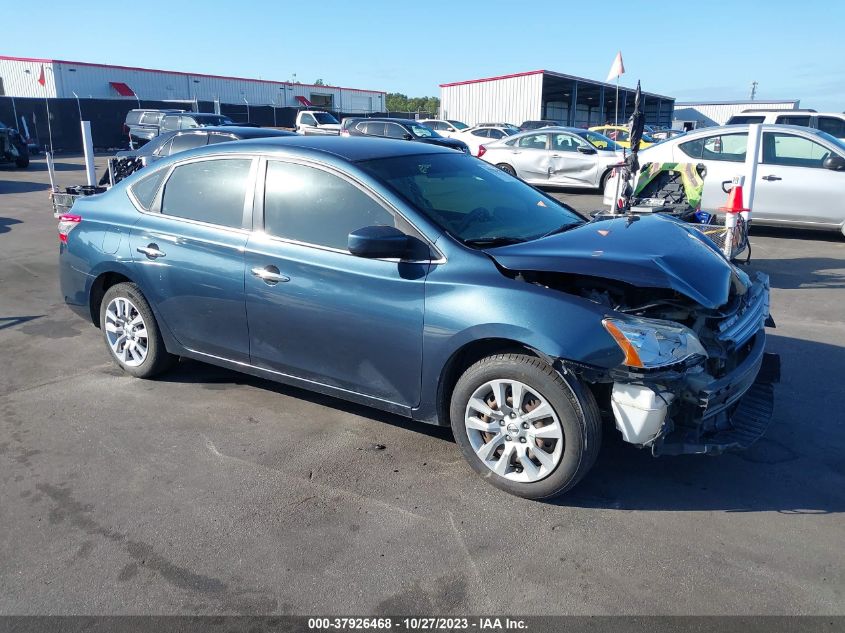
(652,344)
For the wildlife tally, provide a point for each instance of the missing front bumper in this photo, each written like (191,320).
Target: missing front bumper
(745,422)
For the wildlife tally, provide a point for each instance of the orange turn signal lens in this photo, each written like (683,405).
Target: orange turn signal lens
(632,358)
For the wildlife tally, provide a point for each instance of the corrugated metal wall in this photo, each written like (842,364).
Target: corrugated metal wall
(511,100)
(719,113)
(93,82)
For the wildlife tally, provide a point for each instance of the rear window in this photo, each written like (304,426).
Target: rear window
(133,117)
(832,125)
(146,188)
(185,142)
(209,191)
(794,120)
(725,147)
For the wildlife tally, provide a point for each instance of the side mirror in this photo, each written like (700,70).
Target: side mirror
(834,162)
(587,150)
(377,242)
(408,137)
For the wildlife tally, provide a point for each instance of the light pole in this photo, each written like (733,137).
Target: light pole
(247,109)
(47,105)
(78,106)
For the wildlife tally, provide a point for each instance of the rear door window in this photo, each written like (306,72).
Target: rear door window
(150,118)
(374,128)
(313,206)
(832,125)
(132,117)
(210,191)
(170,123)
(534,141)
(394,130)
(742,119)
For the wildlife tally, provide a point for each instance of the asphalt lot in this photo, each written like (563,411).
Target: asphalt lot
(212,492)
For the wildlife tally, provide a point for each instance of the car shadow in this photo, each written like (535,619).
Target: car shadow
(213,377)
(798,467)
(803,272)
(6,322)
(6,223)
(22,186)
(789,233)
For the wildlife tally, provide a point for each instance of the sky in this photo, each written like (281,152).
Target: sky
(687,50)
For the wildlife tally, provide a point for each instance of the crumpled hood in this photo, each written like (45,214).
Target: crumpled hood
(654,251)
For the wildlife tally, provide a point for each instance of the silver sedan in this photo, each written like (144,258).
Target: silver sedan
(561,156)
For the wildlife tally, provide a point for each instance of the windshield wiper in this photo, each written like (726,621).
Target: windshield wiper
(494,241)
(561,229)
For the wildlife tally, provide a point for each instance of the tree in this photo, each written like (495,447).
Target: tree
(398,102)
(319,82)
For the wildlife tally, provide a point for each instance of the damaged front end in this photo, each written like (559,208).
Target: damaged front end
(702,386)
(693,379)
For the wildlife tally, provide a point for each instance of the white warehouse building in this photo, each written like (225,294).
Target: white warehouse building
(547,95)
(708,113)
(55,78)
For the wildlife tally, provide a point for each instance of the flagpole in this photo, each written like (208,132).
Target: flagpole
(616,116)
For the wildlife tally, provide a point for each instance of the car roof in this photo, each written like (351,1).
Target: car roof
(351,149)
(391,119)
(734,128)
(552,128)
(245,132)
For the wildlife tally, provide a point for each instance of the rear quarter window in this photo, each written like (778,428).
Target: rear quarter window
(146,188)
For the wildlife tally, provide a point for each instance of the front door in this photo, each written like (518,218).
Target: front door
(792,184)
(319,313)
(188,255)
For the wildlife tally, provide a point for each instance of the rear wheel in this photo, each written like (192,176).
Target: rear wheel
(507,169)
(523,427)
(604,179)
(131,332)
(22,162)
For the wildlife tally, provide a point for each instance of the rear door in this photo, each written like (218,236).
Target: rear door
(792,184)
(188,253)
(531,158)
(316,311)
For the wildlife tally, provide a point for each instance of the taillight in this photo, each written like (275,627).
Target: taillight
(67,222)
(345,133)
(481,151)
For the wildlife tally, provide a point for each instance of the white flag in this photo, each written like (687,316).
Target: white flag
(618,68)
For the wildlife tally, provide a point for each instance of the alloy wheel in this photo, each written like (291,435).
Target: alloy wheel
(514,430)
(126,332)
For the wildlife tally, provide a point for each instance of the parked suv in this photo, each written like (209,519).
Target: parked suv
(407,129)
(13,149)
(536,125)
(831,122)
(430,284)
(142,125)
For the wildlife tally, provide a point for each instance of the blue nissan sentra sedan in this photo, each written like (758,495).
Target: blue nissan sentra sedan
(428,283)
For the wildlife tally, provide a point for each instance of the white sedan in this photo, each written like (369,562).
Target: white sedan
(555,156)
(480,135)
(445,127)
(800,176)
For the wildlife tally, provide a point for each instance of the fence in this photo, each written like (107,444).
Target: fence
(29,116)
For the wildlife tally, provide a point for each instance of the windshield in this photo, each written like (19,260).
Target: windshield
(421,131)
(473,201)
(457,124)
(324,118)
(600,141)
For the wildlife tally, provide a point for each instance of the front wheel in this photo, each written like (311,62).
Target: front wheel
(22,162)
(131,332)
(523,427)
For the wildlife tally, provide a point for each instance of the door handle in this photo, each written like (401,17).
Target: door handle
(151,251)
(772,178)
(556,156)
(269,275)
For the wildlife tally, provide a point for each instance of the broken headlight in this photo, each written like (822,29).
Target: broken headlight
(651,344)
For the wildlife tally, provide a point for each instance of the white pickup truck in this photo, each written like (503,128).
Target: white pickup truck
(312,122)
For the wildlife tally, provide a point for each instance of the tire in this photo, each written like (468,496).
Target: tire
(22,162)
(603,182)
(574,411)
(141,356)
(507,169)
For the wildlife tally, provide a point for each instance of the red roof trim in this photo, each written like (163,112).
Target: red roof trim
(122,89)
(478,81)
(177,72)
